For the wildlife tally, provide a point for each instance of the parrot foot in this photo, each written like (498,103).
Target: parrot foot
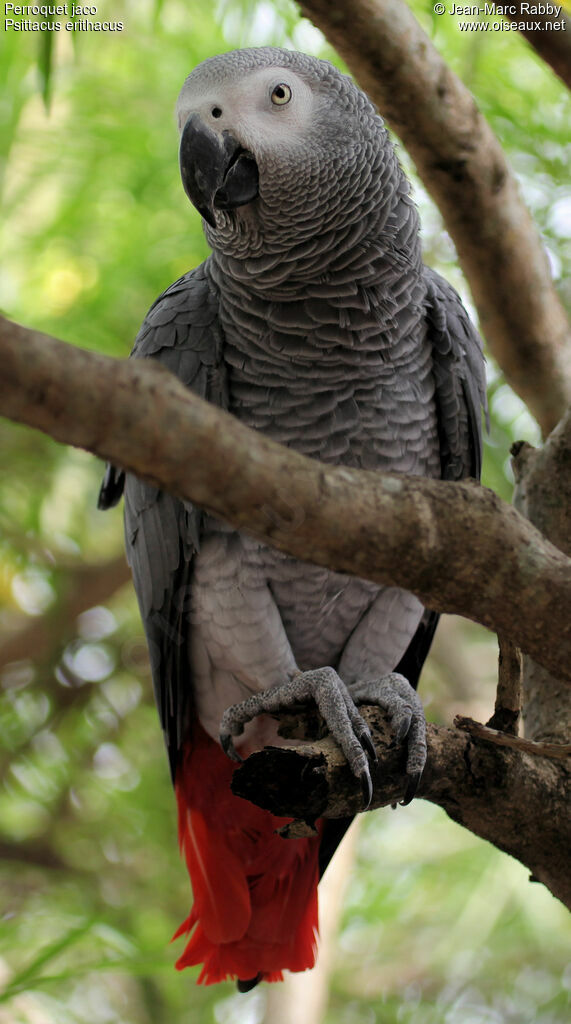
(347,727)
(394,694)
(325,688)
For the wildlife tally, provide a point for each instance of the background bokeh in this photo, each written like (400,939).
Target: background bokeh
(437,926)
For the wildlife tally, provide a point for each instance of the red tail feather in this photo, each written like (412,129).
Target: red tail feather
(255,894)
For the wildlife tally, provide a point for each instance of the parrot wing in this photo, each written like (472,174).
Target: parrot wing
(459,376)
(162,533)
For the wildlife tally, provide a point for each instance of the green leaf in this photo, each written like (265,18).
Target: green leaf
(30,975)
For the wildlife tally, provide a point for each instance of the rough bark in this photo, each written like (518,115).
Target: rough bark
(462,165)
(507,710)
(455,545)
(516,801)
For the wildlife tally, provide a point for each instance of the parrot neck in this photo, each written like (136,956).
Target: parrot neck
(350,289)
(289,240)
(330,258)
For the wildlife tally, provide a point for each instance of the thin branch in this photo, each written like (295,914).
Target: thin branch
(560,751)
(552,45)
(463,167)
(82,587)
(508,696)
(35,853)
(455,545)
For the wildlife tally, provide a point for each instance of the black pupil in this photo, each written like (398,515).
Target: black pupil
(280,92)
(216,112)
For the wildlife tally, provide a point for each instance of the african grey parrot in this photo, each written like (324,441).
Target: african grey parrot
(314,321)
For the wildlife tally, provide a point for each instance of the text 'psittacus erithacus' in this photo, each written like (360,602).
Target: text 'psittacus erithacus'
(314,321)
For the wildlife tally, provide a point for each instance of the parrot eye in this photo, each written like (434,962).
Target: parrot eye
(281,94)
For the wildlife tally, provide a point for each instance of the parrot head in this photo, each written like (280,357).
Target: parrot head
(267,134)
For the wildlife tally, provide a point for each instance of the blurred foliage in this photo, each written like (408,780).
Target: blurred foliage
(438,927)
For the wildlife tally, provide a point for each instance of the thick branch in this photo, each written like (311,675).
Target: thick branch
(554,47)
(455,545)
(463,166)
(517,801)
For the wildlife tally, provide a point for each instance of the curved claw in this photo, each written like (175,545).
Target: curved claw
(367,788)
(411,788)
(366,741)
(227,744)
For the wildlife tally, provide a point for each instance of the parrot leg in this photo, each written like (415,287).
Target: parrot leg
(344,722)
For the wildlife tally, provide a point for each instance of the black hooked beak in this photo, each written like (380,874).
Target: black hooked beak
(217,172)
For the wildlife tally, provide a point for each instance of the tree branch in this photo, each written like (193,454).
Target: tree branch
(543,494)
(560,751)
(508,695)
(35,853)
(503,795)
(462,165)
(554,47)
(83,588)
(455,545)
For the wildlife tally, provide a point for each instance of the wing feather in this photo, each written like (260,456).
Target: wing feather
(460,379)
(162,533)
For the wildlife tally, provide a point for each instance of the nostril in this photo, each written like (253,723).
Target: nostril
(216,112)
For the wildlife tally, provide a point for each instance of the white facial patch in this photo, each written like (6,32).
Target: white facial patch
(244,107)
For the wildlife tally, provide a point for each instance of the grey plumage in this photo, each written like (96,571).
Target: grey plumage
(314,321)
